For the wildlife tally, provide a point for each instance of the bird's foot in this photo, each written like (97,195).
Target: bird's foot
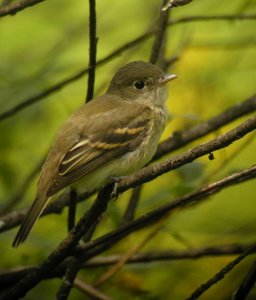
(116,182)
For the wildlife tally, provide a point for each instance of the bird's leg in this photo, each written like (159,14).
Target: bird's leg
(116,182)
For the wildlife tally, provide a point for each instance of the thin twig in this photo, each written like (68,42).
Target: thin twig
(154,56)
(169,255)
(132,205)
(17,6)
(182,138)
(175,3)
(72,209)
(9,277)
(245,143)
(190,19)
(178,140)
(88,289)
(159,36)
(57,86)
(102,243)
(14,218)
(68,80)
(248,283)
(73,269)
(151,172)
(220,275)
(64,248)
(68,279)
(92,50)
(108,240)
(89,234)
(74,264)
(124,258)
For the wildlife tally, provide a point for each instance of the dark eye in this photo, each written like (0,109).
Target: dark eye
(139,85)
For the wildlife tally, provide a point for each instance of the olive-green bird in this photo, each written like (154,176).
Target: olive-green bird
(113,135)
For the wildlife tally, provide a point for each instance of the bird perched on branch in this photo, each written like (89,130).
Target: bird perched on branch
(113,135)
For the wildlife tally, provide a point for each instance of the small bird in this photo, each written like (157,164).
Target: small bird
(113,135)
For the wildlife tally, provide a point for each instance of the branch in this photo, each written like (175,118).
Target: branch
(98,207)
(248,283)
(68,279)
(132,205)
(103,278)
(14,7)
(151,172)
(159,36)
(73,268)
(220,275)
(57,86)
(90,290)
(175,3)
(14,218)
(68,80)
(190,19)
(92,51)
(31,278)
(72,208)
(198,196)
(64,248)
(180,139)
(192,253)
(10,276)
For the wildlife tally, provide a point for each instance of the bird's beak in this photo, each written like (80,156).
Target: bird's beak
(166,78)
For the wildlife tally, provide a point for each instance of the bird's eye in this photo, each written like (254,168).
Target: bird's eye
(139,85)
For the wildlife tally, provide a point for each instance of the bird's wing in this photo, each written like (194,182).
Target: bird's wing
(95,149)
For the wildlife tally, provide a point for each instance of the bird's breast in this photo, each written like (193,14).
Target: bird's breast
(138,158)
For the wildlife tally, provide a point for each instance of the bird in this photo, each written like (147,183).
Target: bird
(111,136)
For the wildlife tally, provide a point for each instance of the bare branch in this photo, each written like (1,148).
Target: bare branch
(190,19)
(9,277)
(248,283)
(159,36)
(191,253)
(14,218)
(151,172)
(100,205)
(17,6)
(198,196)
(57,86)
(92,51)
(67,281)
(145,220)
(132,205)
(64,248)
(180,139)
(175,3)
(90,290)
(72,209)
(73,268)
(220,275)
(124,258)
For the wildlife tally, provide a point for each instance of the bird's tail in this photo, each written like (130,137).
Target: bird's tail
(31,217)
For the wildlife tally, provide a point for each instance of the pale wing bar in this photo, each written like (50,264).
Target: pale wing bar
(93,152)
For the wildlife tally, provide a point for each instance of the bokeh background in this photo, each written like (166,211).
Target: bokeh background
(217,69)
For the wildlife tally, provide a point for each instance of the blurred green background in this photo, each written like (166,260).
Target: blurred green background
(216,67)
